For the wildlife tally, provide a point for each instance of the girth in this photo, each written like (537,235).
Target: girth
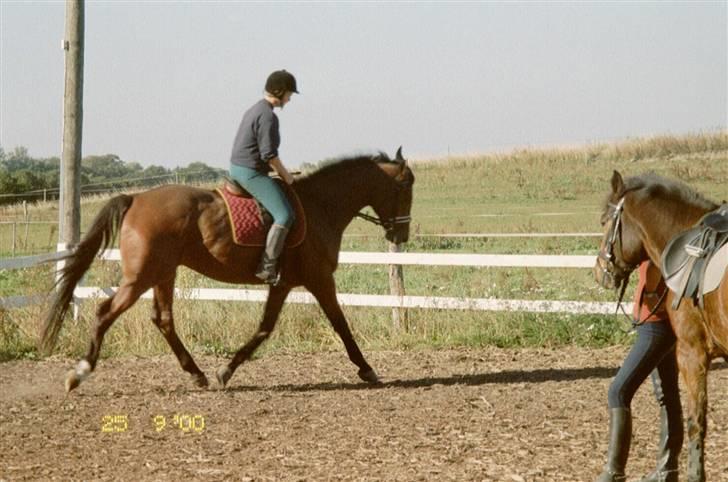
(694,262)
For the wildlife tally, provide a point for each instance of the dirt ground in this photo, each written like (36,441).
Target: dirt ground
(490,414)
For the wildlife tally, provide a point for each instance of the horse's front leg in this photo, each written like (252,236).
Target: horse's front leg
(693,362)
(325,293)
(276,296)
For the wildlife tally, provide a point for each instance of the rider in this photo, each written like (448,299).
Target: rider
(653,352)
(255,154)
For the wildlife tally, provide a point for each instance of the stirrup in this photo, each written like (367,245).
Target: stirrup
(269,275)
(269,279)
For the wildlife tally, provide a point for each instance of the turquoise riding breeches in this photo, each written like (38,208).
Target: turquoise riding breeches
(267,192)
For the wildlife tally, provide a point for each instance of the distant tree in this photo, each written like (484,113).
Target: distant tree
(155,172)
(134,169)
(17,159)
(103,168)
(8,184)
(197,171)
(28,181)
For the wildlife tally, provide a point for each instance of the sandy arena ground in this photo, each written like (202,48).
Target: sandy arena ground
(490,414)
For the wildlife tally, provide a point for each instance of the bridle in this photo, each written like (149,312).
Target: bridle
(607,253)
(389,224)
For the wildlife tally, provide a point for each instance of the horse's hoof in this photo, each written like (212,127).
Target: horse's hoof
(200,380)
(223,375)
(72,380)
(369,376)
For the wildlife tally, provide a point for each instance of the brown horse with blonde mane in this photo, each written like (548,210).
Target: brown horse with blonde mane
(641,216)
(170,226)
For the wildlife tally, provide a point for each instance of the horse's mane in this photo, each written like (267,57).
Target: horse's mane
(650,185)
(336,167)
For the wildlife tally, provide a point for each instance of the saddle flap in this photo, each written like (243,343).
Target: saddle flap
(679,263)
(694,262)
(716,270)
(675,257)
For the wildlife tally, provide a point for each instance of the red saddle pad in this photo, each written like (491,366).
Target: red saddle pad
(247,223)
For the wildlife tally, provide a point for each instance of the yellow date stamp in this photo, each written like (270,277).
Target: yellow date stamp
(186,423)
(183,422)
(114,423)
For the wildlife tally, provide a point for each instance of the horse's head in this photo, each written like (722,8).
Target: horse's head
(394,208)
(621,249)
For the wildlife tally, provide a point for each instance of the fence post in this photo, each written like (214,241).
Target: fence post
(27,225)
(396,288)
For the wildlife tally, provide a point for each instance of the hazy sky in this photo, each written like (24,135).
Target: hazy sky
(167,83)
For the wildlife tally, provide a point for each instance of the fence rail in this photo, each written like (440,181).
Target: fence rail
(392,301)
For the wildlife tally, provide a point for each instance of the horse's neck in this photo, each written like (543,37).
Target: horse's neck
(659,226)
(340,199)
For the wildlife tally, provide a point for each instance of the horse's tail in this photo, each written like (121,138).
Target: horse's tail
(101,235)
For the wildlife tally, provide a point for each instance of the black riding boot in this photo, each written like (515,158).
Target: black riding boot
(671,437)
(620,437)
(268,267)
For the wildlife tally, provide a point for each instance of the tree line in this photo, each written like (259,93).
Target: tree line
(23,177)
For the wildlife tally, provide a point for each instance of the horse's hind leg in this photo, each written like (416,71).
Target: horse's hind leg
(106,313)
(693,362)
(274,303)
(163,319)
(325,294)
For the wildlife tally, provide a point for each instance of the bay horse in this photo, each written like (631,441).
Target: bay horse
(175,225)
(640,217)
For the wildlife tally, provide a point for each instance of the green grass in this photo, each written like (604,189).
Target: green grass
(514,192)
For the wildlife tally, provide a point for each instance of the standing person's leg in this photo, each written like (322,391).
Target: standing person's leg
(642,358)
(667,394)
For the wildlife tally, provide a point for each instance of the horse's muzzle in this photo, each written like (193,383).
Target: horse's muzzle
(603,277)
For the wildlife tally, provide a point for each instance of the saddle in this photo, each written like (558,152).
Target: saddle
(250,221)
(695,261)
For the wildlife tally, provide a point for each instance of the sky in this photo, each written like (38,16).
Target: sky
(167,83)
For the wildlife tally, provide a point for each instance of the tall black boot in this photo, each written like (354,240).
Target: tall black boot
(268,267)
(671,436)
(620,437)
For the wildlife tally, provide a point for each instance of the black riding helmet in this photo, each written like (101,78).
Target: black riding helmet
(280,82)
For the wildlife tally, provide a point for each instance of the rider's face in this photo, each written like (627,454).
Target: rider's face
(286,98)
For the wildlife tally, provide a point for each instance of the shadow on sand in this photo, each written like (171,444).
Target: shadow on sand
(501,377)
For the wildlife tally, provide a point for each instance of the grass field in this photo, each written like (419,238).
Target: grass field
(524,191)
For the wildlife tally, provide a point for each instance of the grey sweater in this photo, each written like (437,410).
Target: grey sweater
(257,139)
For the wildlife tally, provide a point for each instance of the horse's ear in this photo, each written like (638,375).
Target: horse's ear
(617,183)
(398,157)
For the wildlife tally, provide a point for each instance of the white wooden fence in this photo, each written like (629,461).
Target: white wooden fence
(429,302)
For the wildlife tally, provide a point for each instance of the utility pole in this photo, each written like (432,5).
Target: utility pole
(69,212)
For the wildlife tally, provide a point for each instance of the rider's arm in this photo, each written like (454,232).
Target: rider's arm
(278,166)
